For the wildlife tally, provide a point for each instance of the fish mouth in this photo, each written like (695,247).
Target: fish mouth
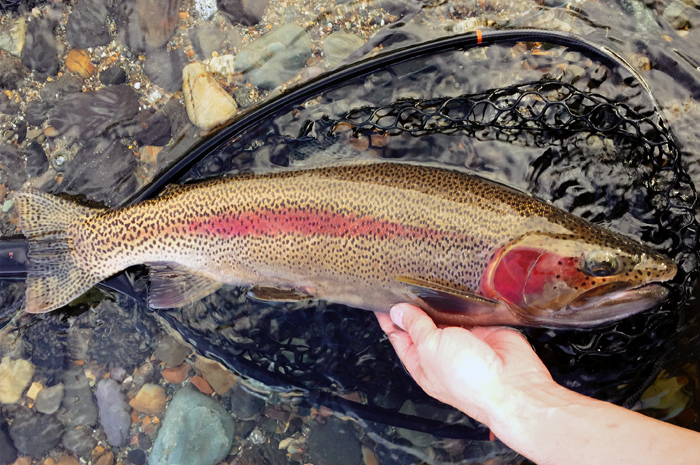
(609,303)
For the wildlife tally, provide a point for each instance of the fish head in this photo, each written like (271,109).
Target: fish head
(573,281)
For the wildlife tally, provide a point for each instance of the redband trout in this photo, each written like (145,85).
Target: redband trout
(467,250)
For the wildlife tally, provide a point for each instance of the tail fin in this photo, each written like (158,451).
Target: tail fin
(54,278)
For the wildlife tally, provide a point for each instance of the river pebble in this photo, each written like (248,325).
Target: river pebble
(57,89)
(40,52)
(87,24)
(12,35)
(78,62)
(208,104)
(197,430)
(243,404)
(49,399)
(15,376)
(150,399)
(334,443)
(114,412)
(245,12)
(164,68)
(11,72)
(171,351)
(112,76)
(218,377)
(80,442)
(144,24)
(207,39)
(35,433)
(8,453)
(78,401)
(275,57)
(339,45)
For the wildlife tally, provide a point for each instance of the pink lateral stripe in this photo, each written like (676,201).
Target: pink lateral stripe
(305,222)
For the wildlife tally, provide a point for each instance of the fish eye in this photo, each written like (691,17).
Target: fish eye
(601,264)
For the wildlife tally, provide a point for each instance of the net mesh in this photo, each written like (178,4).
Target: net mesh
(334,350)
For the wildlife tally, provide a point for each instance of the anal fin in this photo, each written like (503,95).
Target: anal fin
(447,299)
(174,286)
(275,294)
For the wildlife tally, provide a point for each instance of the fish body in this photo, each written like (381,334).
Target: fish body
(467,250)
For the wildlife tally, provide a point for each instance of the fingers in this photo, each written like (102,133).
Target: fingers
(414,321)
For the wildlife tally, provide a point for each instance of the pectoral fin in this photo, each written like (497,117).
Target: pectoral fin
(173,286)
(447,299)
(274,294)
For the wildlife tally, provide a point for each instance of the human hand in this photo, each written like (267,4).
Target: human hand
(475,370)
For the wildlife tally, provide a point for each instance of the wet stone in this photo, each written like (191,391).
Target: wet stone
(196,430)
(244,405)
(49,399)
(8,453)
(145,24)
(87,25)
(275,57)
(12,34)
(206,39)
(164,68)
(56,90)
(35,113)
(35,433)
(245,12)
(154,128)
(79,441)
(339,45)
(78,400)
(334,443)
(15,376)
(136,457)
(37,163)
(89,114)
(677,14)
(12,171)
(243,97)
(114,412)
(171,352)
(11,71)
(208,104)
(8,106)
(150,399)
(113,76)
(47,342)
(40,52)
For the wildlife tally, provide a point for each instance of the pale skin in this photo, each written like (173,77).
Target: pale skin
(493,375)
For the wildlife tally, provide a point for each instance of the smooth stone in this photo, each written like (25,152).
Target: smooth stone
(145,24)
(244,404)
(207,39)
(107,459)
(136,457)
(40,51)
(176,375)
(65,85)
(218,377)
(90,114)
(14,175)
(171,352)
(78,62)
(245,12)
(677,14)
(35,112)
(87,25)
(11,72)
(114,412)
(8,106)
(12,35)
(79,441)
(205,8)
(243,96)
(196,430)
(164,68)
(8,453)
(208,104)
(276,57)
(334,443)
(150,399)
(222,67)
(154,128)
(15,375)
(34,433)
(81,409)
(113,75)
(49,399)
(339,45)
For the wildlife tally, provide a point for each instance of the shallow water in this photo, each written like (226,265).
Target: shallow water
(298,362)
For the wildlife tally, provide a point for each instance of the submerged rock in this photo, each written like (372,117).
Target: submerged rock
(15,376)
(339,45)
(49,399)
(35,433)
(197,430)
(40,52)
(78,401)
(150,399)
(114,412)
(164,68)
(208,104)
(87,24)
(145,24)
(275,57)
(80,442)
(11,72)
(334,443)
(12,35)
(245,12)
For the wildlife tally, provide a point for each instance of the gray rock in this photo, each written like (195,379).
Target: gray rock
(49,399)
(164,68)
(12,170)
(80,442)
(153,128)
(34,433)
(78,400)
(171,352)
(677,14)
(8,106)
(113,76)
(206,39)
(40,52)
(87,25)
(244,405)
(35,112)
(197,430)
(275,57)
(339,45)
(245,12)
(11,72)
(145,24)
(334,443)
(8,453)
(90,114)
(114,412)
(56,90)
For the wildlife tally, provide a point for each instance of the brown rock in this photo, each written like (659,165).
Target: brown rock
(218,377)
(176,375)
(107,459)
(66,459)
(150,399)
(78,62)
(202,385)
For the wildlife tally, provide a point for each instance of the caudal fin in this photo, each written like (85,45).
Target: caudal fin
(54,278)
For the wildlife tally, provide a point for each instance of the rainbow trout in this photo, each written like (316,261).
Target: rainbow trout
(467,250)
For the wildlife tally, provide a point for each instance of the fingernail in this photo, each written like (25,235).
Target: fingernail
(397,316)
